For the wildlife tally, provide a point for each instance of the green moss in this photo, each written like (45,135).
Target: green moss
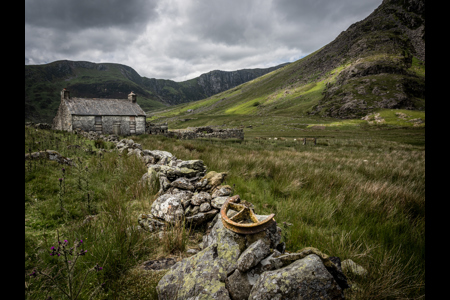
(418,67)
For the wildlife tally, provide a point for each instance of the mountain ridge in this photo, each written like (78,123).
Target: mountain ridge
(110,80)
(377,63)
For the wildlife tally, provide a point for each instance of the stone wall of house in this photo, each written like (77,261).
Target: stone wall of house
(87,123)
(140,125)
(62,120)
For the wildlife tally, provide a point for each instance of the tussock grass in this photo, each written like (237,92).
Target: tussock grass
(356,198)
(353,198)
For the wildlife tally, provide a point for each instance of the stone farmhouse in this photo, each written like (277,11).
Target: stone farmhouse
(107,116)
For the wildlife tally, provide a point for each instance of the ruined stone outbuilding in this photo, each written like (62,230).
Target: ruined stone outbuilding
(107,116)
(152,128)
(207,132)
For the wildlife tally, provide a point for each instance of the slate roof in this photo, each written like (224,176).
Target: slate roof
(103,107)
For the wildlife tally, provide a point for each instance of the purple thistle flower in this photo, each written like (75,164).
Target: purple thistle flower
(58,254)
(97,267)
(81,241)
(60,179)
(51,254)
(52,248)
(65,241)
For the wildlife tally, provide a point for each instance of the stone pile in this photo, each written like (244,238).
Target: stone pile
(255,266)
(373,118)
(416,122)
(152,128)
(50,155)
(39,125)
(186,192)
(92,135)
(185,189)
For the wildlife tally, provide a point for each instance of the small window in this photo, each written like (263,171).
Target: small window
(98,119)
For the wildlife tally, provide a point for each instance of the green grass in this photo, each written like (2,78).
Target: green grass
(392,118)
(359,194)
(111,183)
(270,91)
(418,67)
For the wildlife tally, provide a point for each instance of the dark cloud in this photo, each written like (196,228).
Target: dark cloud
(180,39)
(227,22)
(69,15)
(66,29)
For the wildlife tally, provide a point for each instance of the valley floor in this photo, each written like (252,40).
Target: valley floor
(359,193)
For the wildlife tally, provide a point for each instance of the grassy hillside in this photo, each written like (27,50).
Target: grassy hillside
(43,84)
(378,63)
(106,80)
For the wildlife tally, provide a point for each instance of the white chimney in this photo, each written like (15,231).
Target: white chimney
(132,97)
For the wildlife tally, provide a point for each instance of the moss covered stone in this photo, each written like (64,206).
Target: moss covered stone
(305,278)
(201,276)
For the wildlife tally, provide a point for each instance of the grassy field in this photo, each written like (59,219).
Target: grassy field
(359,194)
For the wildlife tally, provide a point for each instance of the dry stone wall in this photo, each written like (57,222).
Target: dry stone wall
(153,128)
(207,132)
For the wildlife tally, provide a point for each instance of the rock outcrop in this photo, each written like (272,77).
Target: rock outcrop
(50,155)
(380,52)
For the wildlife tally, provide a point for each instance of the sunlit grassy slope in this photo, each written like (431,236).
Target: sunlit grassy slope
(264,95)
(374,64)
(284,92)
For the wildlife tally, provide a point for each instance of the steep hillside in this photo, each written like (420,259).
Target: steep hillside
(106,80)
(376,63)
(84,79)
(203,86)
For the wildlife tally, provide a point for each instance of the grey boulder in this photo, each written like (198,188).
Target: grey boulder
(201,276)
(253,255)
(218,202)
(168,207)
(305,278)
(182,183)
(200,198)
(201,217)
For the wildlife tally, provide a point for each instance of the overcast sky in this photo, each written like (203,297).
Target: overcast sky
(181,39)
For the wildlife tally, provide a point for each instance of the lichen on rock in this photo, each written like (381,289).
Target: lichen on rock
(306,278)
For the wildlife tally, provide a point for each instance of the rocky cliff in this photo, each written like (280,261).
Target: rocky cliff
(377,63)
(218,81)
(381,56)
